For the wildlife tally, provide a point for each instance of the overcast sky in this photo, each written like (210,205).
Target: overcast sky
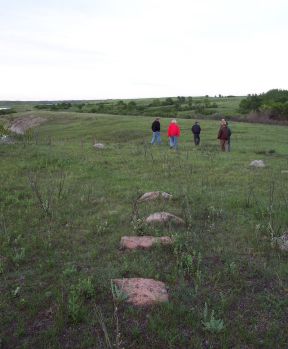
(98,49)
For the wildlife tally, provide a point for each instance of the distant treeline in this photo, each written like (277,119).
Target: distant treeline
(273,104)
(160,107)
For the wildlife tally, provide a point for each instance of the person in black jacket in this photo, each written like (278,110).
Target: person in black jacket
(156,131)
(196,129)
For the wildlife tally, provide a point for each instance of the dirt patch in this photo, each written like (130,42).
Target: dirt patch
(21,125)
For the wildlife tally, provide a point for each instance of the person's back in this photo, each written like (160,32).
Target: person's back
(173,134)
(196,129)
(223,133)
(156,126)
(156,131)
(223,137)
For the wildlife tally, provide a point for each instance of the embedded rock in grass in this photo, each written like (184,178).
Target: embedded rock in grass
(6,140)
(282,241)
(153,195)
(164,217)
(257,163)
(143,242)
(99,146)
(141,292)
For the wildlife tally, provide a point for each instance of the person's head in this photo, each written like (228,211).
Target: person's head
(157,119)
(196,122)
(173,121)
(223,122)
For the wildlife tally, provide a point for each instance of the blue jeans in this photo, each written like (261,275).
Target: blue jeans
(173,141)
(156,137)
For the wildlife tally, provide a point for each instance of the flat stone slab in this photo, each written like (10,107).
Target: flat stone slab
(143,242)
(164,217)
(257,163)
(154,195)
(142,292)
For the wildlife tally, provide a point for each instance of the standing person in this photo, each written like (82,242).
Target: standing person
(196,129)
(229,135)
(223,135)
(173,134)
(156,131)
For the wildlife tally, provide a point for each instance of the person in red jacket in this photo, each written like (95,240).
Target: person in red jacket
(173,134)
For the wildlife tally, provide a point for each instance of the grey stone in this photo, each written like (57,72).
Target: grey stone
(163,217)
(282,241)
(257,163)
(99,146)
(154,195)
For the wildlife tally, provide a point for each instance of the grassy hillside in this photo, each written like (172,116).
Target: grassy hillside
(65,205)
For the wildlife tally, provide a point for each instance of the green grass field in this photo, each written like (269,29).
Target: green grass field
(65,205)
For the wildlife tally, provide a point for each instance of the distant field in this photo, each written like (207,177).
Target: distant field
(65,205)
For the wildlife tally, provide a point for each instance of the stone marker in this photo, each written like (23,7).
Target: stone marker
(257,163)
(282,241)
(141,292)
(99,146)
(163,217)
(143,242)
(153,195)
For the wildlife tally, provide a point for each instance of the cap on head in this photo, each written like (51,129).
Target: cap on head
(174,121)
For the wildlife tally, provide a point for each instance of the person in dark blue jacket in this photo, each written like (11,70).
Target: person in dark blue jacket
(196,129)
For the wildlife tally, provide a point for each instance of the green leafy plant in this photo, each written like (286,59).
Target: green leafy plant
(70,270)
(210,323)
(117,293)
(86,288)
(74,306)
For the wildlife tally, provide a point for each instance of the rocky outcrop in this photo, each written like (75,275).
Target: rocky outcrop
(21,125)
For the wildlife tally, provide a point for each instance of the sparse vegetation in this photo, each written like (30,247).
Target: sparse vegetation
(65,205)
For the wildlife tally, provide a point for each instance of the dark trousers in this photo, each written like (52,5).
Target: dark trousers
(196,139)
